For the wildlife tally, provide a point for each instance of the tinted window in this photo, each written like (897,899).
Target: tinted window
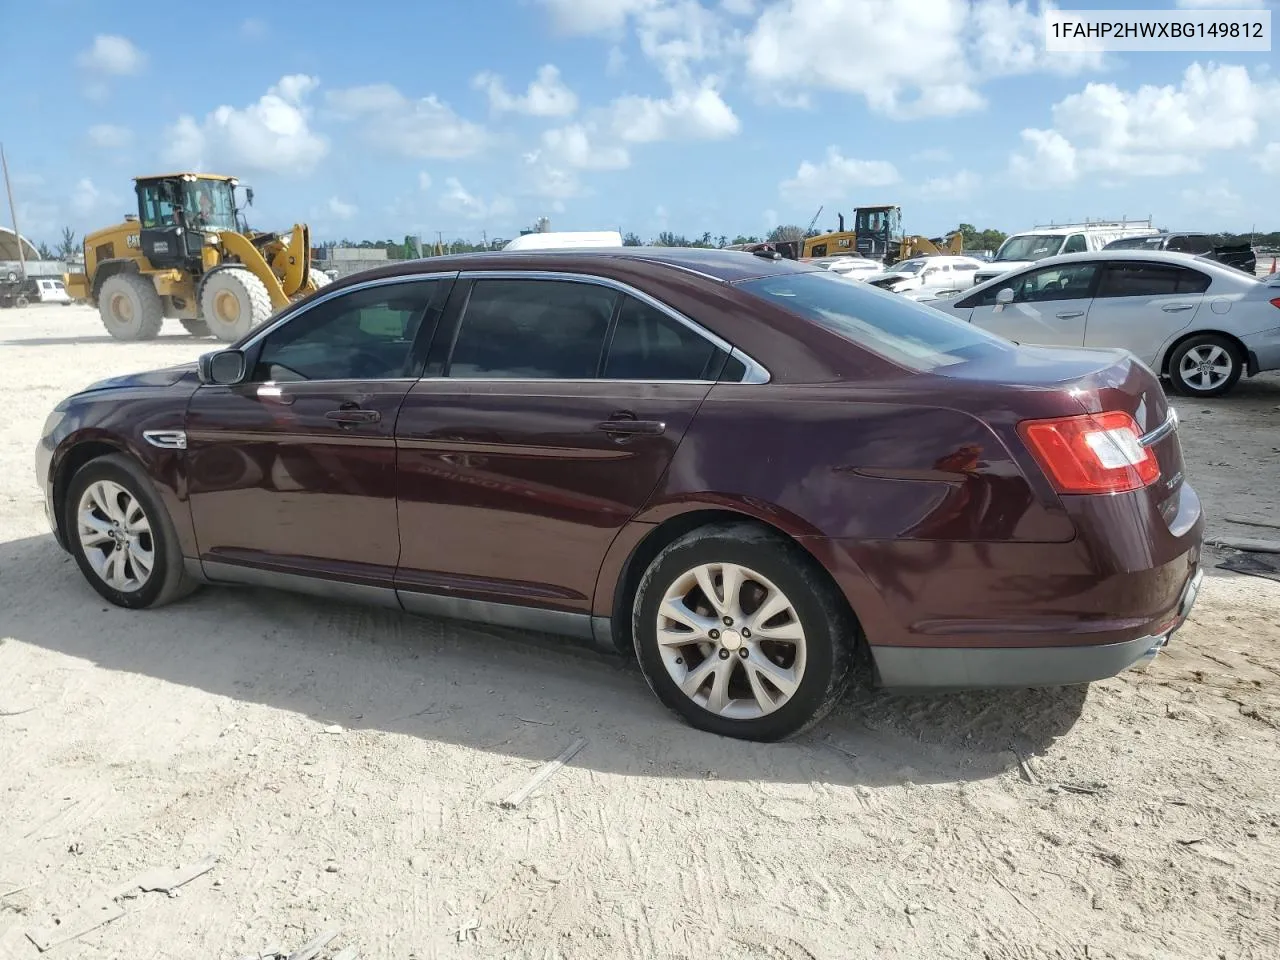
(532,330)
(1199,245)
(649,345)
(1075,244)
(901,330)
(1066,282)
(363,335)
(1149,280)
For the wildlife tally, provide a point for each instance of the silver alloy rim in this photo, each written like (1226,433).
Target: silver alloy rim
(115,535)
(1205,367)
(731,640)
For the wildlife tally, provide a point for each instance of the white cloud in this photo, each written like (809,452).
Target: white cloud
(421,128)
(112,55)
(108,136)
(341,210)
(919,59)
(1151,131)
(960,184)
(1221,4)
(586,17)
(253,29)
(546,95)
(688,114)
(573,146)
(87,201)
(836,175)
(616,62)
(424,180)
(457,199)
(272,135)
(739,8)
(1269,159)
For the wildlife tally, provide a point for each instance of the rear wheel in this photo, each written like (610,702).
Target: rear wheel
(130,307)
(1205,365)
(121,535)
(740,632)
(232,302)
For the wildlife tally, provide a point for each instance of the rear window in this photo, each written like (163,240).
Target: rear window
(903,331)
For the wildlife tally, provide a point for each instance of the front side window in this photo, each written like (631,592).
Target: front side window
(532,330)
(366,334)
(1075,244)
(1149,280)
(648,344)
(911,334)
(1067,282)
(155,209)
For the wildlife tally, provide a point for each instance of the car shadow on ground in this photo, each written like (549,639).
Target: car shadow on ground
(367,668)
(72,341)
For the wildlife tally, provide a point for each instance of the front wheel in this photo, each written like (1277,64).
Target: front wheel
(1206,365)
(121,535)
(739,631)
(232,302)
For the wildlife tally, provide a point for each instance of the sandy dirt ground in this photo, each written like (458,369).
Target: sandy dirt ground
(344,766)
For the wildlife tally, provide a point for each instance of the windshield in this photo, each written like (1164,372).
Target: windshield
(907,266)
(1029,246)
(903,331)
(209,204)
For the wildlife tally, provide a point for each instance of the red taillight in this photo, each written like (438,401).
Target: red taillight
(1275,301)
(1093,453)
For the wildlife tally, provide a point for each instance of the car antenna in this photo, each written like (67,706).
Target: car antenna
(768,254)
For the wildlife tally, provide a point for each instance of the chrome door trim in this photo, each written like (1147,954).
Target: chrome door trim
(166,439)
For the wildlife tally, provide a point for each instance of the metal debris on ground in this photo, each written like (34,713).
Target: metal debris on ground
(333,728)
(1255,565)
(1247,544)
(545,773)
(101,910)
(466,931)
(166,880)
(312,948)
(1246,522)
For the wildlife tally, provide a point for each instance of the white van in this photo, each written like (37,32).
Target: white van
(52,291)
(565,239)
(1023,249)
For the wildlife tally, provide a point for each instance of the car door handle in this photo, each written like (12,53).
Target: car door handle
(354,415)
(1176,307)
(633,428)
(1070,314)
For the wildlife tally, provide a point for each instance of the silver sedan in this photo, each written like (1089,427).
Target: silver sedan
(1199,323)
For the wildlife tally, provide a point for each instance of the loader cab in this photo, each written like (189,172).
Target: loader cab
(175,212)
(878,230)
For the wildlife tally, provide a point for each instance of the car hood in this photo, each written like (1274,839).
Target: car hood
(895,281)
(164,377)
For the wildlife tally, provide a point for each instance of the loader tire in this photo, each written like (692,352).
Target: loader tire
(197,328)
(318,279)
(232,302)
(130,307)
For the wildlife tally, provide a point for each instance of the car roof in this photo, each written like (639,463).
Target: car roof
(1172,258)
(725,266)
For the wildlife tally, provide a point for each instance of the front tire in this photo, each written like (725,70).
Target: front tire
(1205,365)
(232,302)
(130,307)
(739,631)
(122,536)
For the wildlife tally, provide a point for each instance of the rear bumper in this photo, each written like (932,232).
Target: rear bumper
(967,668)
(1263,351)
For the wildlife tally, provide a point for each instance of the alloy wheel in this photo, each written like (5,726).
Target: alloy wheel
(1206,367)
(731,640)
(115,534)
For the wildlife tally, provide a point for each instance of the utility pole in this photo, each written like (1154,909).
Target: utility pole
(13,215)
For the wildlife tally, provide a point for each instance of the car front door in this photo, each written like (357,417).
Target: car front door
(1050,305)
(292,472)
(1139,305)
(543,425)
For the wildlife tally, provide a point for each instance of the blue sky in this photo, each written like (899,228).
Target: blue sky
(729,116)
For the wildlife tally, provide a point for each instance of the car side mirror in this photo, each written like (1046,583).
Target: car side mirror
(222,368)
(1004,298)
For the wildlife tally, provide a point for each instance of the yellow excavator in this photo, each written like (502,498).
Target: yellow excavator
(877,235)
(189,254)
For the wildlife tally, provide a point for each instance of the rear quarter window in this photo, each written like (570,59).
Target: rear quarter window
(910,334)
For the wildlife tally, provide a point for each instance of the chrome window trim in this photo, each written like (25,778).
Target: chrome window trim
(267,329)
(753,366)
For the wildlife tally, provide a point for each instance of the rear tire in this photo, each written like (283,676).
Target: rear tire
(318,279)
(797,663)
(232,302)
(1206,365)
(114,520)
(130,307)
(197,328)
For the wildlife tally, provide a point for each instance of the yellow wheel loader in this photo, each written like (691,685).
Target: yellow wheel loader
(877,235)
(189,254)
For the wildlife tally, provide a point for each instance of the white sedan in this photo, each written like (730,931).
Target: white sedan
(927,277)
(849,267)
(1196,321)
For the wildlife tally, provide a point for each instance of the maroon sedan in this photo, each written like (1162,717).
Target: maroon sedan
(757,475)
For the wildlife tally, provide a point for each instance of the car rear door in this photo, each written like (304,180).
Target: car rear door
(1050,305)
(1140,304)
(551,407)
